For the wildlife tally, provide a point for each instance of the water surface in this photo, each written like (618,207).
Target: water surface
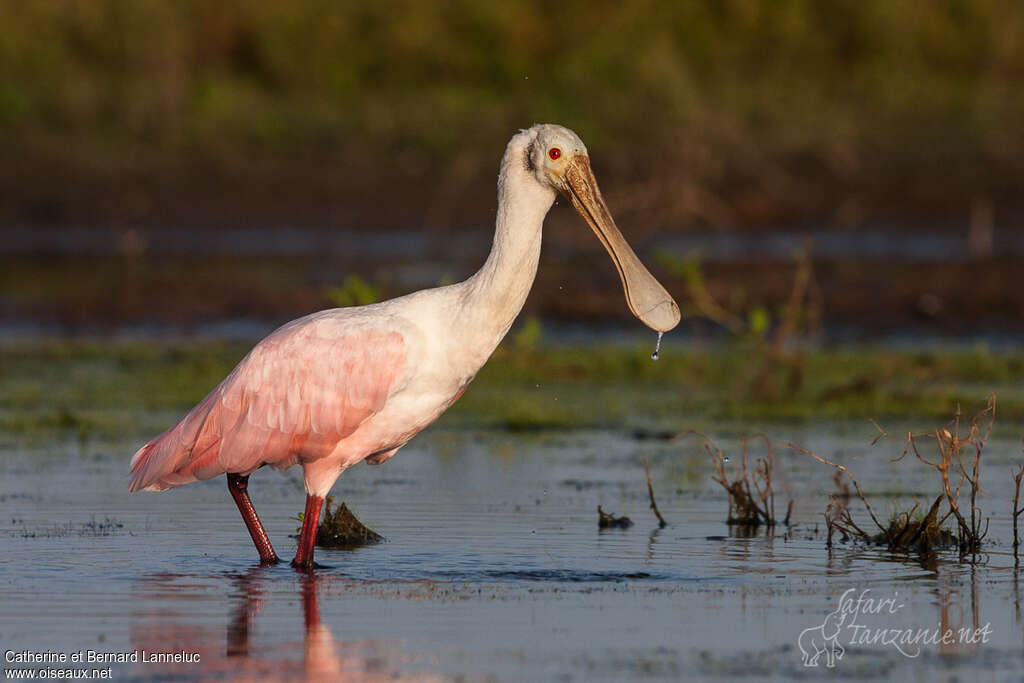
(494,568)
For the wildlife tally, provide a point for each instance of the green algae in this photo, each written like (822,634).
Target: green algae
(96,388)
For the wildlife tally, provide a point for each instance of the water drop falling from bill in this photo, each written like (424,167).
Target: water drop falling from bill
(657,347)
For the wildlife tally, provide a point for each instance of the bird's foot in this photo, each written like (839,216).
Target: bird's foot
(269,561)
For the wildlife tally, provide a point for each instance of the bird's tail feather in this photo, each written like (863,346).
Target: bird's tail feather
(172,458)
(145,465)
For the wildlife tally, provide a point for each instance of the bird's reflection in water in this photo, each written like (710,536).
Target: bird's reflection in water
(173,617)
(320,661)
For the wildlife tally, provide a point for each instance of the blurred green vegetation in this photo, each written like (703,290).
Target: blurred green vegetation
(109,389)
(718,111)
(354,291)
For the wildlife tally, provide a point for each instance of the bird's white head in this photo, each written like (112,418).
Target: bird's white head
(558,158)
(550,151)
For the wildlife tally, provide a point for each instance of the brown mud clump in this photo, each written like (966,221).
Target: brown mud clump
(924,535)
(339,528)
(606,520)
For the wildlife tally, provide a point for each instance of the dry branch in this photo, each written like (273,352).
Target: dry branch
(751,494)
(650,491)
(1017,510)
(951,444)
(846,519)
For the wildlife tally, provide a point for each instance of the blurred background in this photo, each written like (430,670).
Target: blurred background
(195,166)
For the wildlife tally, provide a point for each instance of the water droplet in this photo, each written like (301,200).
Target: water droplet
(657,347)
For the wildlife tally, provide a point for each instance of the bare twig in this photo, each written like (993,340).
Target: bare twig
(802,282)
(882,434)
(847,519)
(751,494)
(1017,510)
(839,500)
(650,491)
(950,443)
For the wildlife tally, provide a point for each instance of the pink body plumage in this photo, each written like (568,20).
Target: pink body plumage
(294,398)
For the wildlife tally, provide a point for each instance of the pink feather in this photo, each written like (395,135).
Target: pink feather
(293,398)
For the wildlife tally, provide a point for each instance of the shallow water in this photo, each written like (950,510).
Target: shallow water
(494,568)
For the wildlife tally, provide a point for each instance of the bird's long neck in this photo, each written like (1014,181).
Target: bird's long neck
(494,296)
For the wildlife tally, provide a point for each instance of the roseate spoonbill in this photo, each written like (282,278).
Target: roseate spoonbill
(350,384)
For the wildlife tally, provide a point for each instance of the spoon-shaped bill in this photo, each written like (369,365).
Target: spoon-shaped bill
(644,295)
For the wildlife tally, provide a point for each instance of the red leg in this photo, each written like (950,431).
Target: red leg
(238,486)
(307,539)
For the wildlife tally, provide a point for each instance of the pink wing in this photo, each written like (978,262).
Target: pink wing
(296,395)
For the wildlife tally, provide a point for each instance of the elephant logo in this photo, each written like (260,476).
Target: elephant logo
(823,639)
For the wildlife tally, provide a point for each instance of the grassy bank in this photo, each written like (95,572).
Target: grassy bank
(88,388)
(867,294)
(724,113)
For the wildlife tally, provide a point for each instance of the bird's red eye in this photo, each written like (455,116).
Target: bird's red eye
(554,153)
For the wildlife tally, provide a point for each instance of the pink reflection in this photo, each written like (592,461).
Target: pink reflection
(175,616)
